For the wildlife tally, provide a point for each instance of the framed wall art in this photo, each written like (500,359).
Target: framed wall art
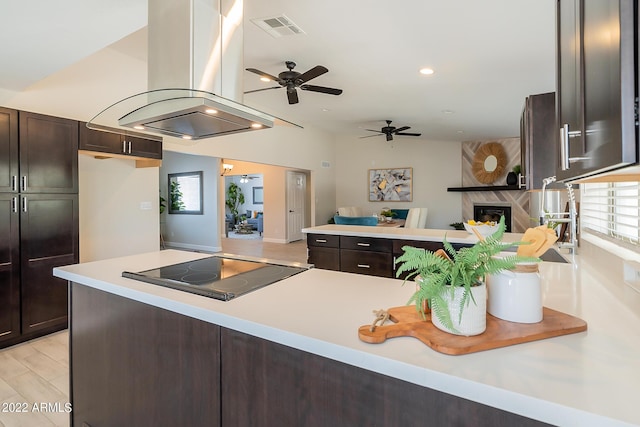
(391,185)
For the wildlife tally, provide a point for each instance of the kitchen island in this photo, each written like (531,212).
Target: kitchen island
(289,354)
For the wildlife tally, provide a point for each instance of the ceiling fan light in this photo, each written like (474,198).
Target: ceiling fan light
(256,125)
(264,79)
(211,111)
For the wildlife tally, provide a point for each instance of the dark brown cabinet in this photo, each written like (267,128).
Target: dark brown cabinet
(117,143)
(9,267)
(366,255)
(596,86)
(48,154)
(133,364)
(538,140)
(8,150)
(39,228)
(48,239)
(323,251)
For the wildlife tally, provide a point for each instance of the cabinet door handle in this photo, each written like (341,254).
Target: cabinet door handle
(129,147)
(321,240)
(564,147)
(14,183)
(24,204)
(364,266)
(14,204)
(522,181)
(23,183)
(364,244)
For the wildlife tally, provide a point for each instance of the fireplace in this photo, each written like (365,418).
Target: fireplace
(493,213)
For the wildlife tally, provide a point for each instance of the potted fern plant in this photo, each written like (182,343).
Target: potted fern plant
(452,281)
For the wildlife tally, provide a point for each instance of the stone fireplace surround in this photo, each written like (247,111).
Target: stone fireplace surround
(517,200)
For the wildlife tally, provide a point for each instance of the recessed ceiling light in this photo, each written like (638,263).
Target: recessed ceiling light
(325,110)
(139,127)
(211,111)
(256,125)
(426,71)
(186,136)
(264,79)
(447,112)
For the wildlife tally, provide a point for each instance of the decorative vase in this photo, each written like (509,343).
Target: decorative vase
(516,295)
(512,178)
(474,315)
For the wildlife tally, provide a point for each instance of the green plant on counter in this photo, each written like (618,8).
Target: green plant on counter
(517,169)
(441,271)
(457,225)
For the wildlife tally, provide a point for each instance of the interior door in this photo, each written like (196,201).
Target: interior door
(296,190)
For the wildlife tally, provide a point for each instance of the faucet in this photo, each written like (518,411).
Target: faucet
(559,217)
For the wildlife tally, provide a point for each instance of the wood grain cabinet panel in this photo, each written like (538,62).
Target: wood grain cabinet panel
(8,150)
(117,143)
(48,239)
(283,386)
(48,154)
(9,267)
(137,365)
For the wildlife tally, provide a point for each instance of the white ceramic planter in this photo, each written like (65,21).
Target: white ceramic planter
(474,316)
(516,295)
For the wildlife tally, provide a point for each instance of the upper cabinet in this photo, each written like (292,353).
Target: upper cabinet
(48,154)
(104,144)
(596,86)
(8,150)
(538,140)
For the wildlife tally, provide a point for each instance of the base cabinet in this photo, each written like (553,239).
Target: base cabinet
(134,364)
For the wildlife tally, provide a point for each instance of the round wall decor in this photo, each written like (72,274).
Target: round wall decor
(489,162)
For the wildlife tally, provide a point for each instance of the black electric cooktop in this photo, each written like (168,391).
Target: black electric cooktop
(216,277)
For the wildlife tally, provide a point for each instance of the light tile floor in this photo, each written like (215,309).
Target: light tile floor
(37,372)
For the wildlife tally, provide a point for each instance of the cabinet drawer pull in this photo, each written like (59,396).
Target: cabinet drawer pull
(321,240)
(364,244)
(364,266)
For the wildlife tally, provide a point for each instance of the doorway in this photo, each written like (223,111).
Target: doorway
(296,192)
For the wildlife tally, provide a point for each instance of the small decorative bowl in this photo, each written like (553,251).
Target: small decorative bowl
(483,229)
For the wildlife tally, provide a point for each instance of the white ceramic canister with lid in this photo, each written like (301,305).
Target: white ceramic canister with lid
(516,295)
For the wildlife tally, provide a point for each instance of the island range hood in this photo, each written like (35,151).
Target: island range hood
(195,69)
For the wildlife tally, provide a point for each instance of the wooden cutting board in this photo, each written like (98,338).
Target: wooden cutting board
(499,333)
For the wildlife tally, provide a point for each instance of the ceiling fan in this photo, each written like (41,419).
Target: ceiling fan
(292,79)
(246,178)
(389,131)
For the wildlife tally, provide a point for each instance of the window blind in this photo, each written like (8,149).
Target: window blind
(612,209)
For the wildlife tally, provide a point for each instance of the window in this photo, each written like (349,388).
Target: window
(612,210)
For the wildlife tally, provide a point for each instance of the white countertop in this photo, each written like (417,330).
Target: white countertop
(585,379)
(427,234)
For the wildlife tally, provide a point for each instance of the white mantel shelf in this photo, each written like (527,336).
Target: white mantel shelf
(585,379)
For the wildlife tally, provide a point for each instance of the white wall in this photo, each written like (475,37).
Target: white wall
(199,232)
(114,220)
(436,166)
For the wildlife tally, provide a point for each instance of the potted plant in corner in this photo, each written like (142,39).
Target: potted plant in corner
(235,199)
(453,281)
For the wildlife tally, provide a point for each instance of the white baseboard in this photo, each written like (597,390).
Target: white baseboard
(197,248)
(271,240)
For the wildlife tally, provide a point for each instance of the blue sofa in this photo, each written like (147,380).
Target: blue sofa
(355,220)
(257,223)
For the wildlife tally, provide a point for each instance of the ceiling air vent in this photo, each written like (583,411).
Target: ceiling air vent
(278,26)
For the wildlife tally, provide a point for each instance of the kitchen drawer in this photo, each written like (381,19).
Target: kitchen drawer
(324,258)
(366,244)
(366,262)
(323,240)
(431,246)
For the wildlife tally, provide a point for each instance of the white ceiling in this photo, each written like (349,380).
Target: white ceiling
(488,55)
